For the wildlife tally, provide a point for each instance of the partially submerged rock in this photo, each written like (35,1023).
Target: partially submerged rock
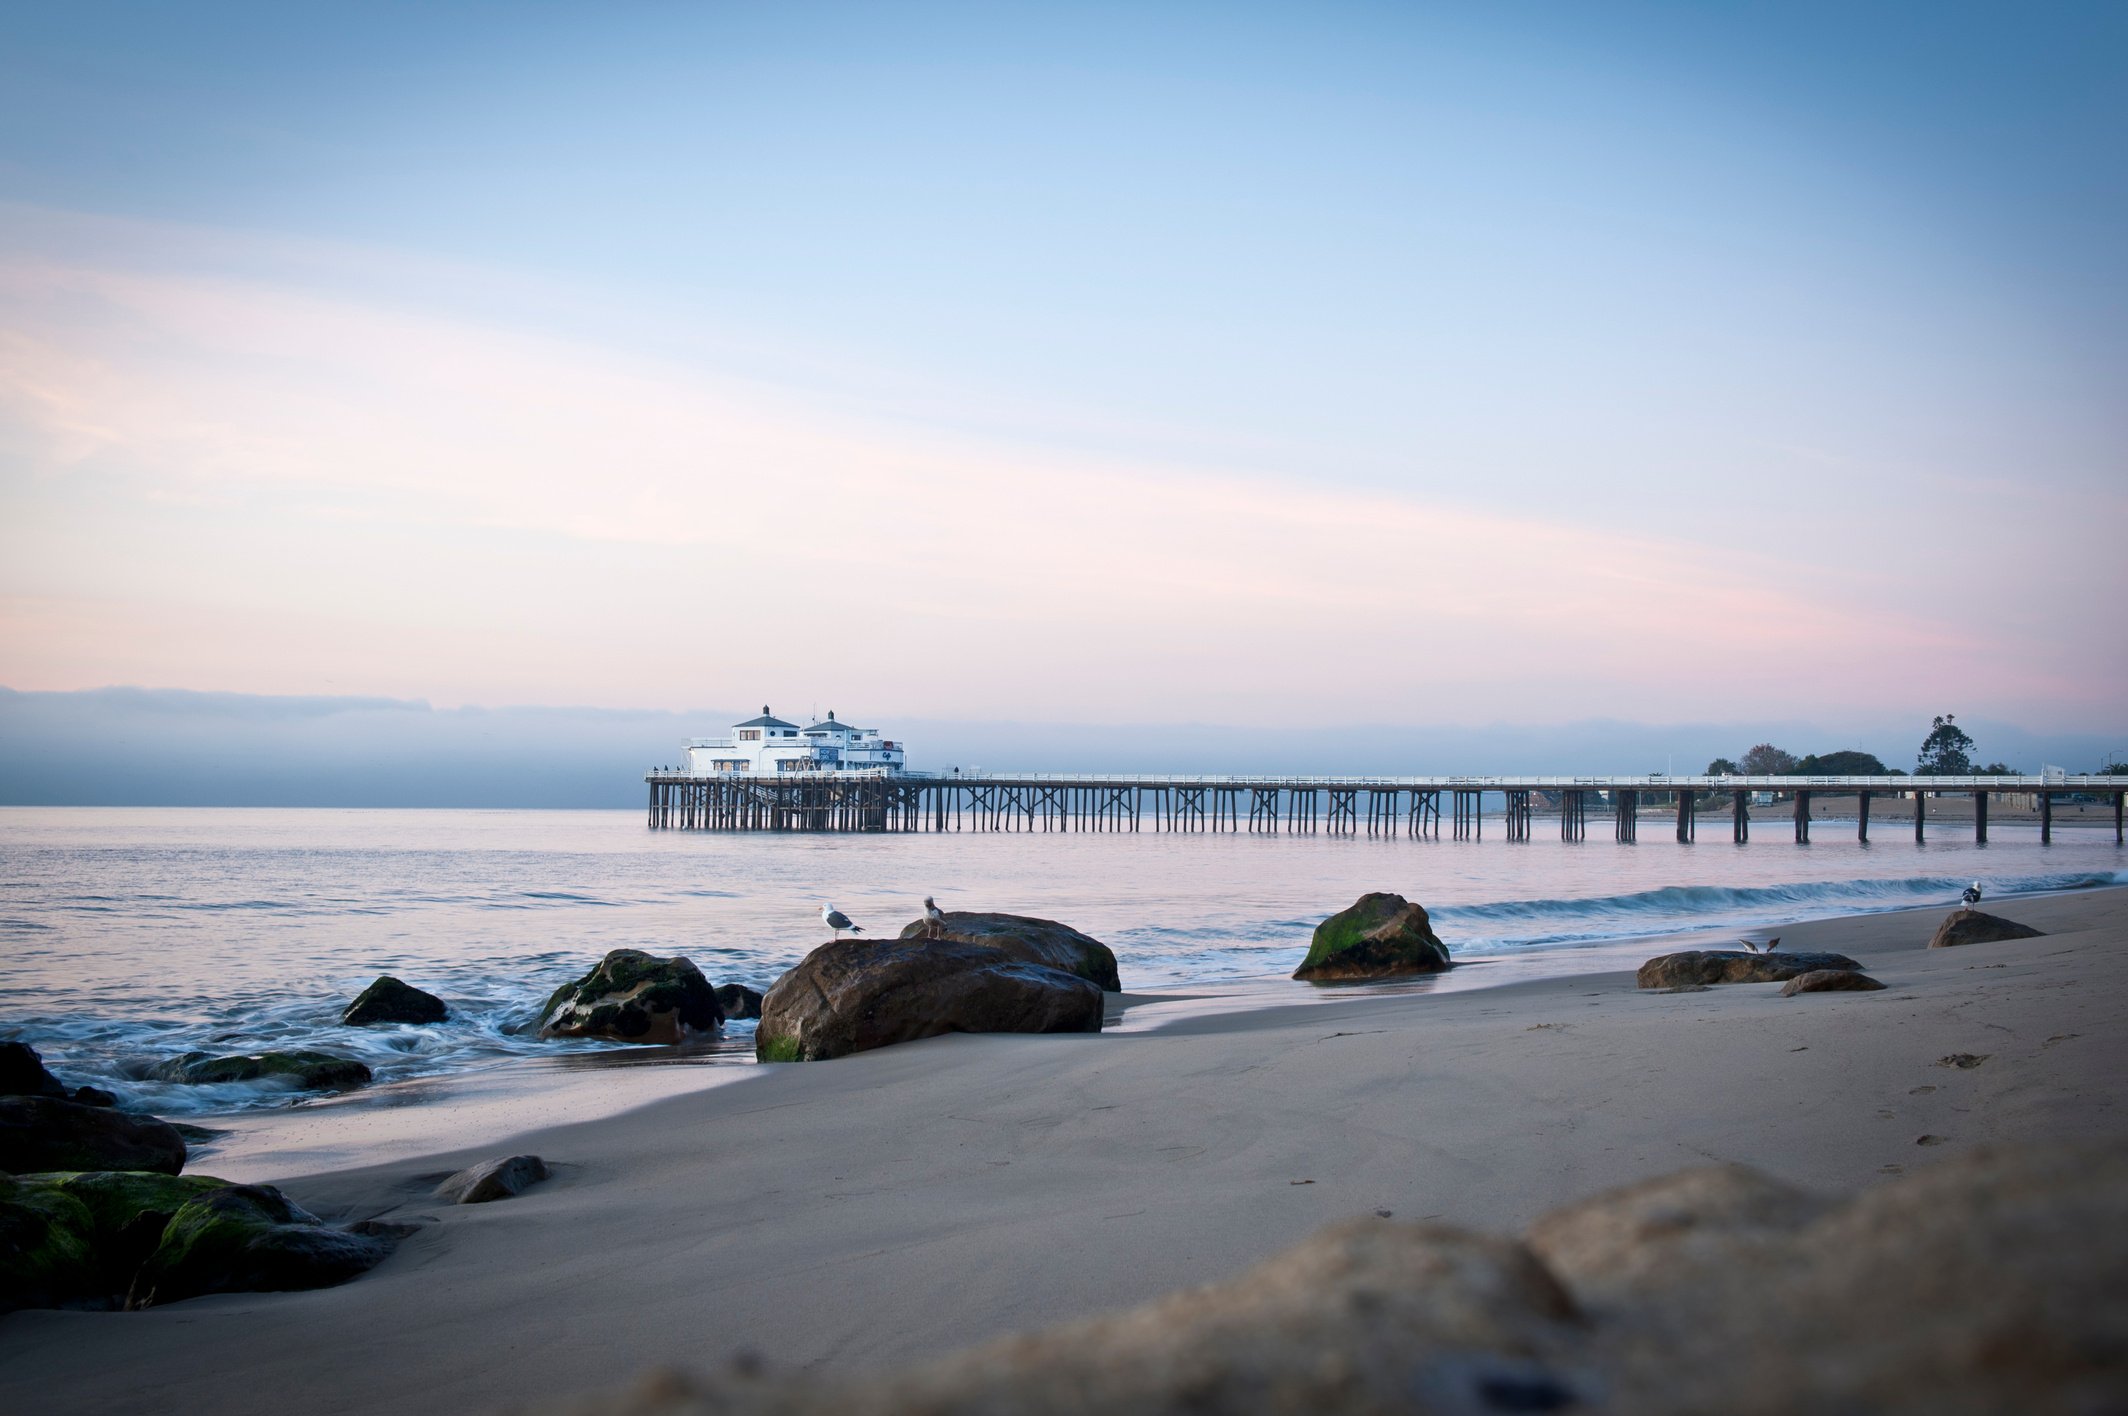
(1830,981)
(634,997)
(853,996)
(1982,1285)
(248,1239)
(496,1179)
(1030,940)
(1974,927)
(41,1133)
(390,1001)
(1710,966)
(1379,936)
(302,1070)
(738,1001)
(22,1072)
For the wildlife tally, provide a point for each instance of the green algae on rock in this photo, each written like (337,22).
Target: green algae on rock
(390,1001)
(47,1245)
(1380,936)
(248,1239)
(307,1071)
(634,997)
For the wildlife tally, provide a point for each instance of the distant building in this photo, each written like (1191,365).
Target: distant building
(768,744)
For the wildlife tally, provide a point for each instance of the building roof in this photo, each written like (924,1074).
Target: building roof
(764,721)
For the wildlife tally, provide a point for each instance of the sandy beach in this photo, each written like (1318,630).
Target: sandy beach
(859,1214)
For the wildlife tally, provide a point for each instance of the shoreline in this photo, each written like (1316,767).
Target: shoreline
(508,1096)
(852,1215)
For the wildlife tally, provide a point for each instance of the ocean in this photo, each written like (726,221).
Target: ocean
(132,935)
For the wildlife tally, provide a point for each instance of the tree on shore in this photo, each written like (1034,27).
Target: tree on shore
(1997,769)
(1946,751)
(1850,762)
(1723,767)
(1766,760)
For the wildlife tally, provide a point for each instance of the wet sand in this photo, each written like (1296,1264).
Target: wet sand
(862,1213)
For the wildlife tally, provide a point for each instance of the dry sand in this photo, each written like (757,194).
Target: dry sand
(854,1214)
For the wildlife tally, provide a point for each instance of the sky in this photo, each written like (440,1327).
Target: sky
(1240,365)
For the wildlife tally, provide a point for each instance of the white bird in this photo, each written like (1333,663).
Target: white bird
(838,921)
(1971,895)
(934,919)
(1748,944)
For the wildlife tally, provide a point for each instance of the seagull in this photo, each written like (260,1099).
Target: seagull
(1971,895)
(1773,943)
(838,921)
(934,919)
(1748,944)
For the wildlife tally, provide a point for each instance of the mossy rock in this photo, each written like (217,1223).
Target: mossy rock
(390,1001)
(1030,940)
(1380,936)
(47,1245)
(248,1239)
(306,1071)
(634,997)
(22,1072)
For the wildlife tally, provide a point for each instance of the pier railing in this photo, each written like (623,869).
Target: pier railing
(881,799)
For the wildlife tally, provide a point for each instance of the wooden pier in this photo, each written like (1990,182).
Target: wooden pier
(1347,806)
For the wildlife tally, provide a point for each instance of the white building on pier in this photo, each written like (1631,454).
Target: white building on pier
(768,744)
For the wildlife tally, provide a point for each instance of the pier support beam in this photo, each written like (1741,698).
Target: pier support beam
(1686,825)
(1625,814)
(1802,818)
(1862,818)
(1740,817)
(2118,798)
(1920,817)
(2046,818)
(1980,818)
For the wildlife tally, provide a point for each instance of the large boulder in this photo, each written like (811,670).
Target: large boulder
(1705,966)
(40,1133)
(1031,941)
(390,1001)
(738,1002)
(1974,927)
(47,1246)
(1379,936)
(854,995)
(634,997)
(248,1239)
(496,1179)
(301,1071)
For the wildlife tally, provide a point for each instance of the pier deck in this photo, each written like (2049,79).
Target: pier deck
(1375,806)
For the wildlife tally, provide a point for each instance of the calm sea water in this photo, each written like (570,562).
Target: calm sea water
(127,936)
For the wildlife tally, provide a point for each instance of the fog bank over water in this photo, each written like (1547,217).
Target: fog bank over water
(158,747)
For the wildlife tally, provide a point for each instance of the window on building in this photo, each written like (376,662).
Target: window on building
(749,734)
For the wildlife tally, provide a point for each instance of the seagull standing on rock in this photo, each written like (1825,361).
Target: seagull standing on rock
(838,921)
(1971,897)
(934,919)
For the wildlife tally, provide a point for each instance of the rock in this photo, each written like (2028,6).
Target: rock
(738,1001)
(304,1071)
(855,995)
(390,1001)
(492,1180)
(39,1133)
(246,1239)
(47,1246)
(22,1072)
(1964,1061)
(1830,981)
(634,997)
(1031,941)
(1973,927)
(1734,966)
(94,1096)
(1379,936)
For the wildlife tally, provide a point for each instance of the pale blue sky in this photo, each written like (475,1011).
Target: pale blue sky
(1519,277)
